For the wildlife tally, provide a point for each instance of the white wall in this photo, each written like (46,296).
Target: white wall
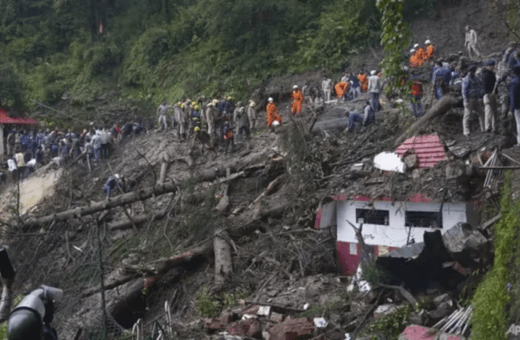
(395,234)
(2,146)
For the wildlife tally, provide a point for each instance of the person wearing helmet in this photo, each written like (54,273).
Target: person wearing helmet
(297,97)
(272,114)
(251,115)
(414,60)
(229,106)
(375,85)
(162,111)
(204,140)
(429,50)
(421,55)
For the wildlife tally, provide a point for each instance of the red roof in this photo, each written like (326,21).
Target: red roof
(428,148)
(6,119)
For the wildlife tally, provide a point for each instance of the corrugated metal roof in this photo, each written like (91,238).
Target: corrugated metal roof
(428,148)
(6,119)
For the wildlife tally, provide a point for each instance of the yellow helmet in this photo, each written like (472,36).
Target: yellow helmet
(193,103)
(196,129)
(179,103)
(183,106)
(196,107)
(229,98)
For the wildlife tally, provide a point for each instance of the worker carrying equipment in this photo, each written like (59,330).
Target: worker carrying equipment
(31,319)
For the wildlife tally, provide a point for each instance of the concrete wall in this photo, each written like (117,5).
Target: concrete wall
(395,234)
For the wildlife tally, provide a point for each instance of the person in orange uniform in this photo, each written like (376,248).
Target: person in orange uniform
(414,61)
(429,50)
(363,79)
(421,55)
(272,113)
(340,89)
(297,96)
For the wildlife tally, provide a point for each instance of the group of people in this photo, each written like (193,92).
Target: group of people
(28,149)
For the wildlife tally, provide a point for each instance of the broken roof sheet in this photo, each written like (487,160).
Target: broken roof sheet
(6,119)
(428,148)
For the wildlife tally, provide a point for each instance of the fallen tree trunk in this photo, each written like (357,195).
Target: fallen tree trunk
(223,262)
(124,199)
(440,108)
(136,221)
(161,267)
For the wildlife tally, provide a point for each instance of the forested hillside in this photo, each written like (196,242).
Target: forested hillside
(155,49)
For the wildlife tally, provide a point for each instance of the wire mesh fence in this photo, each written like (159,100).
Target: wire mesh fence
(79,258)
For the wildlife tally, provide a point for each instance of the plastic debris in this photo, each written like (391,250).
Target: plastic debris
(389,161)
(320,322)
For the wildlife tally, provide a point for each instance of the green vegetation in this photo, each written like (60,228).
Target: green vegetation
(157,49)
(491,317)
(391,325)
(209,305)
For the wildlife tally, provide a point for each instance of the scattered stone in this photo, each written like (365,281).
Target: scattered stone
(292,329)
(248,328)
(276,317)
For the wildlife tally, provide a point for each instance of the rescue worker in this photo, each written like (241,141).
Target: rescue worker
(272,114)
(471,42)
(416,92)
(204,140)
(414,60)
(363,79)
(162,112)
(297,97)
(429,50)
(251,115)
(228,137)
(421,55)
(96,145)
(326,86)
(242,122)
(375,84)
(440,79)
(340,88)
(489,80)
(211,112)
(472,92)
(181,120)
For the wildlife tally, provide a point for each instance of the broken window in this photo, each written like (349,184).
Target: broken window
(372,216)
(423,219)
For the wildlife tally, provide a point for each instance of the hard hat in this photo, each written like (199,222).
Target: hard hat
(416,45)
(215,101)
(412,50)
(229,98)
(295,87)
(270,99)
(373,72)
(196,107)
(193,103)
(196,129)
(276,123)
(183,106)
(179,103)
(252,104)
(427,42)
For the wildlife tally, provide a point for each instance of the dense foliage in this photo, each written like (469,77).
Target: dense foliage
(159,49)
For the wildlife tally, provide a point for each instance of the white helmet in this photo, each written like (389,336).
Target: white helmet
(416,45)
(270,99)
(252,104)
(412,50)
(373,72)
(295,87)
(427,42)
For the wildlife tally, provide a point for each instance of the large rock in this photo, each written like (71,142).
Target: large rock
(291,329)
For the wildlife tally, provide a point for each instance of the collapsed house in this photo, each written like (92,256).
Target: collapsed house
(403,202)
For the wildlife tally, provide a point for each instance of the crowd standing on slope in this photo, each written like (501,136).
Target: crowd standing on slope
(213,125)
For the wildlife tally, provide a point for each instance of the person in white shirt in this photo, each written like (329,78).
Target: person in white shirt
(471,42)
(326,86)
(374,88)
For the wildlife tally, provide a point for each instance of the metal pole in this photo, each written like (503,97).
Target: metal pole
(102,278)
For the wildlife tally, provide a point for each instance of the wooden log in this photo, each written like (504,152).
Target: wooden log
(116,201)
(223,262)
(136,220)
(441,107)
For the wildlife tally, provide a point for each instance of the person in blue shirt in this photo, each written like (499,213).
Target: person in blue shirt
(441,79)
(514,97)
(366,119)
(472,93)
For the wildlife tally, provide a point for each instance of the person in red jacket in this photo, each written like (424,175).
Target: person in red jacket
(416,92)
